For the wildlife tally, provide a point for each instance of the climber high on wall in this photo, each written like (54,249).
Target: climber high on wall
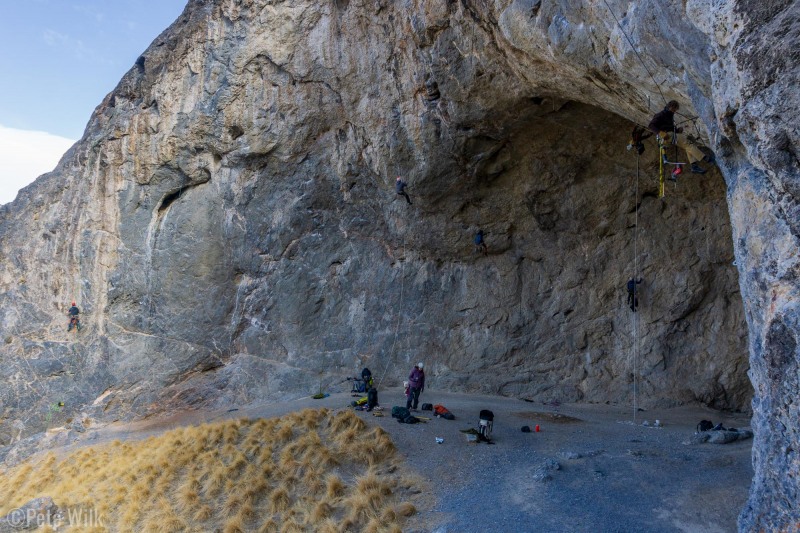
(663,125)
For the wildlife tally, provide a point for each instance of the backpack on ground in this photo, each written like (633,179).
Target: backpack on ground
(705,425)
(400,412)
(403,415)
(441,410)
(485,425)
(427,407)
(372,398)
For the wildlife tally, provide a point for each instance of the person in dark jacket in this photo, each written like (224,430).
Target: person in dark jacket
(74,317)
(400,186)
(480,244)
(416,384)
(663,125)
(633,298)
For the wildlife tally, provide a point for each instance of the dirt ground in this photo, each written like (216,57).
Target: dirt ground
(598,473)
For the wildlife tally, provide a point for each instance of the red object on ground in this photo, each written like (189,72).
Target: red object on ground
(537,428)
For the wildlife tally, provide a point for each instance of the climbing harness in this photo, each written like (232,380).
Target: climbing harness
(74,322)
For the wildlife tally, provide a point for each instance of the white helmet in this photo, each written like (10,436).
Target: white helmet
(419,365)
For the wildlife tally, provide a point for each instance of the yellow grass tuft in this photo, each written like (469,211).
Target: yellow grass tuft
(232,504)
(203,514)
(285,433)
(290,526)
(269,526)
(335,487)
(247,511)
(328,526)
(321,511)
(234,525)
(278,500)
(406,509)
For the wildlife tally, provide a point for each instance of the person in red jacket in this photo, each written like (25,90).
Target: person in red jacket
(416,384)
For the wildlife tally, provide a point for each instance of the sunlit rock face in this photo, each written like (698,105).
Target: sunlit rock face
(229,225)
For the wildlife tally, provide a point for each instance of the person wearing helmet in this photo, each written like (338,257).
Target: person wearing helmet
(416,384)
(400,187)
(74,318)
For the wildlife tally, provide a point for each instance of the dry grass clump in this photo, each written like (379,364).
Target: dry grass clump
(313,470)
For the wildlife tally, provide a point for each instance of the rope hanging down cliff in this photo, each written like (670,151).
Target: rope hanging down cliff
(635,277)
(401,307)
(638,135)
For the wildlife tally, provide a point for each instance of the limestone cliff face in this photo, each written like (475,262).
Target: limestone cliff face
(230,227)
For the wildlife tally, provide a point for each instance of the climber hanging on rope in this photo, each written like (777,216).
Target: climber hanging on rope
(74,318)
(638,135)
(400,186)
(480,244)
(663,125)
(633,297)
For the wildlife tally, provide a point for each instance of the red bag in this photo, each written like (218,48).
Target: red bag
(441,410)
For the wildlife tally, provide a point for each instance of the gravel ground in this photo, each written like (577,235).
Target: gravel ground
(599,473)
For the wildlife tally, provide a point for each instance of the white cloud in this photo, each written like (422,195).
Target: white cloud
(25,155)
(99,16)
(74,46)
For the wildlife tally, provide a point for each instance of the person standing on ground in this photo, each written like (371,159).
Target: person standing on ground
(416,384)
(663,125)
(633,297)
(400,187)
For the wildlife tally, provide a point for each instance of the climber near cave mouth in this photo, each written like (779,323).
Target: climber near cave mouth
(663,125)
(400,186)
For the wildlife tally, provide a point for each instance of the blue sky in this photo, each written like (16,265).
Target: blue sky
(59,59)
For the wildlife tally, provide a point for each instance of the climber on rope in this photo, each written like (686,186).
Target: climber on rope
(633,297)
(400,186)
(638,135)
(74,318)
(480,244)
(663,125)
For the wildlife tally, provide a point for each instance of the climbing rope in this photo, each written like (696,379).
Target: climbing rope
(619,25)
(635,295)
(401,307)
(662,157)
